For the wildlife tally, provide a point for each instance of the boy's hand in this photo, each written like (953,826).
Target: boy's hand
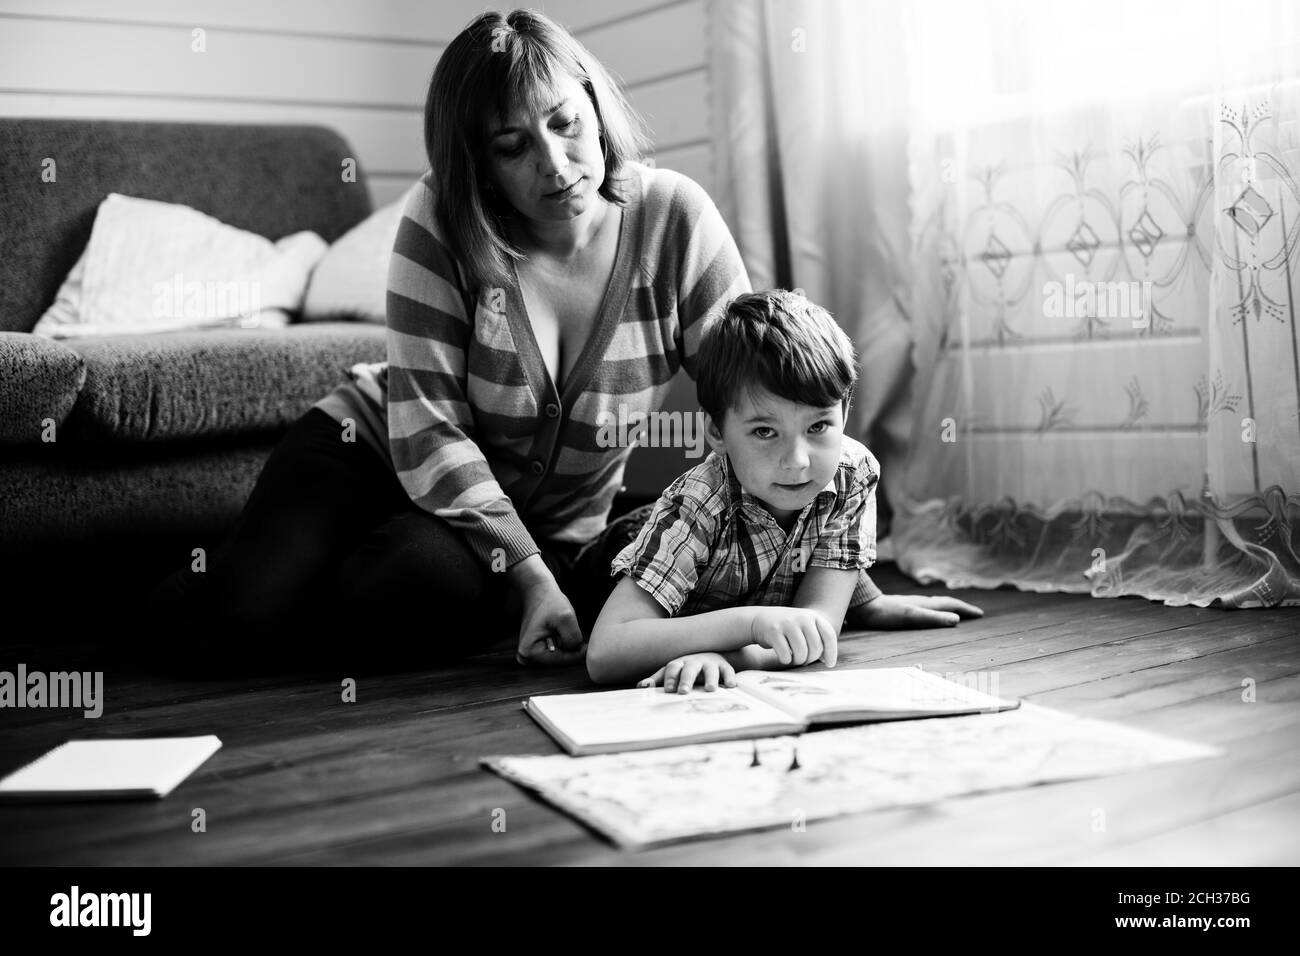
(905,611)
(679,675)
(798,635)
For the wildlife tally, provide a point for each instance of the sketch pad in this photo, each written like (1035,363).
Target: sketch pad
(95,769)
(651,797)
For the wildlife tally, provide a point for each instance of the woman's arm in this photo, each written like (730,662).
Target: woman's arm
(430,422)
(711,272)
(432,435)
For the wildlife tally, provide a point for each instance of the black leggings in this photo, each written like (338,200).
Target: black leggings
(330,561)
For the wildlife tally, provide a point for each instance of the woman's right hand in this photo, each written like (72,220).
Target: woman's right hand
(549,633)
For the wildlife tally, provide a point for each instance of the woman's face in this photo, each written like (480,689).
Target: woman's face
(549,166)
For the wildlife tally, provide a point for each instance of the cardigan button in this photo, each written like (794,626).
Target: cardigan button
(552,410)
(539,467)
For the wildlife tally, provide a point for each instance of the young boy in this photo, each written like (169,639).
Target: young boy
(751,559)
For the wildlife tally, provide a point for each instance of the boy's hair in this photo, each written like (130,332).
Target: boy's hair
(494,64)
(777,340)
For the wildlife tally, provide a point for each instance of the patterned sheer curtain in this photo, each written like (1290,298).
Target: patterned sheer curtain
(1096,269)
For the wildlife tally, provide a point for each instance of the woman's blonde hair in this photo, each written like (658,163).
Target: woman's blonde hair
(495,64)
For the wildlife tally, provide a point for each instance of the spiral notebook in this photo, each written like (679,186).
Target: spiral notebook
(110,769)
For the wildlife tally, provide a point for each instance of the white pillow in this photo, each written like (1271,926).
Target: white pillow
(351,282)
(156,267)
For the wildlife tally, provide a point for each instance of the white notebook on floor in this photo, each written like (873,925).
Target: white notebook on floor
(89,769)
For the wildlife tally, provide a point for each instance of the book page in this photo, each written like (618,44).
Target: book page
(649,714)
(809,696)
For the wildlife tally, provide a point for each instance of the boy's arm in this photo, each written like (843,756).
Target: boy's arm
(834,576)
(634,636)
(827,591)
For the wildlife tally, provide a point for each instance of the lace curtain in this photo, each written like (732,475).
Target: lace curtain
(1084,226)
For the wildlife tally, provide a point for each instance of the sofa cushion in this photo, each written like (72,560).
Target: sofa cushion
(160,267)
(351,280)
(270,179)
(39,382)
(184,385)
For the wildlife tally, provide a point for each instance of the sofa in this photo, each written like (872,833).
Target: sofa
(151,437)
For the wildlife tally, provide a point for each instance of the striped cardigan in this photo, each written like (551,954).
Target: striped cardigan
(465,408)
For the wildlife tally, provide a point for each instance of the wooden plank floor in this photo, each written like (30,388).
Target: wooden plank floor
(394,778)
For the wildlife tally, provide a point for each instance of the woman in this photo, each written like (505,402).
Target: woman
(541,278)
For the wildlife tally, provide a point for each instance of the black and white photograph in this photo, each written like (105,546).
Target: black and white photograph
(650,433)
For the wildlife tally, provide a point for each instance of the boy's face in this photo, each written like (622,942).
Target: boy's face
(783,452)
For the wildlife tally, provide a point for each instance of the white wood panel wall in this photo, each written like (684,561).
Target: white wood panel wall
(359,66)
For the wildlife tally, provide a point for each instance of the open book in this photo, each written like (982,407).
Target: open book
(764,704)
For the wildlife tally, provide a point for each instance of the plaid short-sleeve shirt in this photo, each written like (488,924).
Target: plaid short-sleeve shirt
(709,544)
